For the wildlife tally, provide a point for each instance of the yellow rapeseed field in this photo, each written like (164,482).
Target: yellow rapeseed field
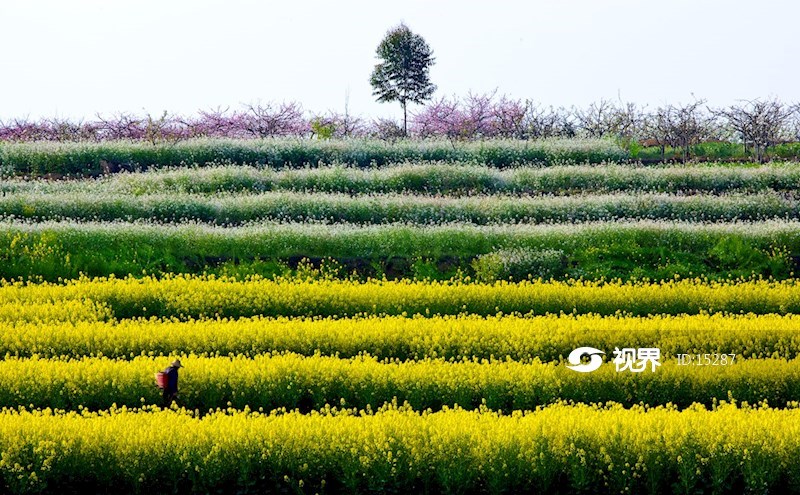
(547,338)
(308,382)
(188,295)
(588,448)
(300,349)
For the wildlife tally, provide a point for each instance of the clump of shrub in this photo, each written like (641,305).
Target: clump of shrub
(519,263)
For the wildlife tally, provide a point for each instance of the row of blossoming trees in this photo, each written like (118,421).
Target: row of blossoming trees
(758,124)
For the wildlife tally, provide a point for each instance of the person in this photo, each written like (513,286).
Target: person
(171,389)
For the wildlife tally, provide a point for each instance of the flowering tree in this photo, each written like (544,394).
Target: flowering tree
(485,116)
(120,126)
(759,124)
(218,122)
(270,120)
(509,118)
(442,117)
(341,125)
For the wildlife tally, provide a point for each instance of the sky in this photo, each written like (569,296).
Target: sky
(82,57)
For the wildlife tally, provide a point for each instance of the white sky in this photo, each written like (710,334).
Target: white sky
(76,58)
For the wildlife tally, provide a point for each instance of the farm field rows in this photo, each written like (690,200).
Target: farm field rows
(625,249)
(198,297)
(291,381)
(365,316)
(78,159)
(236,209)
(729,449)
(87,330)
(443,178)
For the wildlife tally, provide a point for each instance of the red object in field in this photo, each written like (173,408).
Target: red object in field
(161,379)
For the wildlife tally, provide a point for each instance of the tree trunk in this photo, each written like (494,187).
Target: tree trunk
(405,119)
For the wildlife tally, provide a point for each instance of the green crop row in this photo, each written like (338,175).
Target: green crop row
(35,330)
(559,449)
(631,249)
(292,381)
(437,177)
(293,206)
(75,159)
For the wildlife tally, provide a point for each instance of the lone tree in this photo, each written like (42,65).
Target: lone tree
(403,75)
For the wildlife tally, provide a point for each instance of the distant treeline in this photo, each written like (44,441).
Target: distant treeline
(755,125)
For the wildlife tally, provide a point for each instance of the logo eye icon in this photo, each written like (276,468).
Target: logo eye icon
(595,360)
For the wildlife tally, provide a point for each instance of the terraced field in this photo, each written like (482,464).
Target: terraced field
(396,318)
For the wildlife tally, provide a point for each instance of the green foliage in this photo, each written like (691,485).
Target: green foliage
(425,269)
(633,147)
(321,129)
(639,249)
(519,264)
(719,150)
(784,151)
(722,151)
(404,71)
(242,269)
(488,268)
(24,254)
(731,253)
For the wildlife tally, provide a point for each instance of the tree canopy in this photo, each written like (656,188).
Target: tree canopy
(404,71)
